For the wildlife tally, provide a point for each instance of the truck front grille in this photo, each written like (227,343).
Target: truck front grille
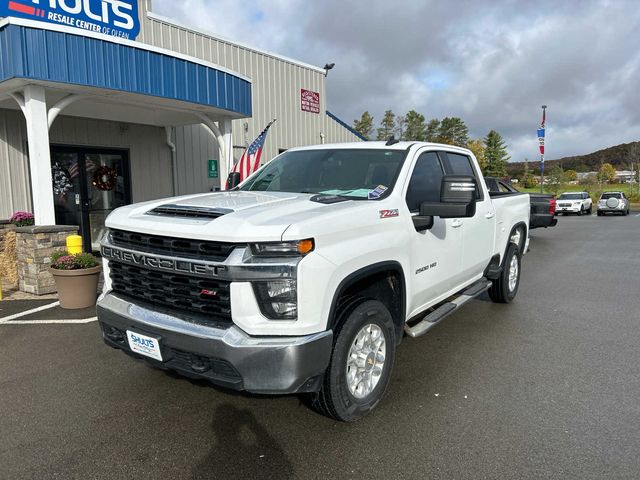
(172,246)
(209,297)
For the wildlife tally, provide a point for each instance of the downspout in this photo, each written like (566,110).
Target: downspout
(174,161)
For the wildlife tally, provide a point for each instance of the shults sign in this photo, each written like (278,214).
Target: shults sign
(118,18)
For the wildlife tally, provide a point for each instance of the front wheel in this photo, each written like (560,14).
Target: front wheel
(505,287)
(361,363)
(581,212)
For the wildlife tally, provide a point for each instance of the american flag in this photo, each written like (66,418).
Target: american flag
(250,160)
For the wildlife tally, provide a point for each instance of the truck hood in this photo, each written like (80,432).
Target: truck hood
(225,216)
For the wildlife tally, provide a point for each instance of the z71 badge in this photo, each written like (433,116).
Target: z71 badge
(389,213)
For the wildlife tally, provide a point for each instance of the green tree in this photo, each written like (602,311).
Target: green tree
(453,131)
(496,155)
(571,175)
(364,126)
(607,173)
(415,128)
(477,147)
(556,180)
(387,125)
(400,127)
(528,179)
(433,130)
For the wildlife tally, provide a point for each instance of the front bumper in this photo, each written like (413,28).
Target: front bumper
(220,353)
(571,209)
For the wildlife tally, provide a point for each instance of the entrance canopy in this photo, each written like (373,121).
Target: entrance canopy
(45,69)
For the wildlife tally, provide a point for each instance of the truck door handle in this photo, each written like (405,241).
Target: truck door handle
(489,215)
(456,223)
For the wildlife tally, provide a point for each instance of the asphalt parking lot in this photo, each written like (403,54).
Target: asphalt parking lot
(547,387)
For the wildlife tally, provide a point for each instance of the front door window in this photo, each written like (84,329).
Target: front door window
(89,183)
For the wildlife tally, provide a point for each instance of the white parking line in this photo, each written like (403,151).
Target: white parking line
(28,312)
(46,322)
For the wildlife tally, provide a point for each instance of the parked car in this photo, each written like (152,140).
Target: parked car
(613,202)
(574,202)
(543,205)
(307,276)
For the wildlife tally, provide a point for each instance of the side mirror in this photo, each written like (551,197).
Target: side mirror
(233,180)
(457,200)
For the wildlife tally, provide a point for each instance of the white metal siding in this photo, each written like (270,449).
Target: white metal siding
(194,148)
(15,193)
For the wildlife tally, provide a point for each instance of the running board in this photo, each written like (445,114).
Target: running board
(446,309)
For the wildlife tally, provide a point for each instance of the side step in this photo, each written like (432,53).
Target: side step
(447,308)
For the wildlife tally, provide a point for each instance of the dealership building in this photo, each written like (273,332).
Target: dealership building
(104,103)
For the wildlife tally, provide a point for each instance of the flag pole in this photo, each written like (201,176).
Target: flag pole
(543,127)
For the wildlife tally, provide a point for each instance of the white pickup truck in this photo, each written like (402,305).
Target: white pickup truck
(306,277)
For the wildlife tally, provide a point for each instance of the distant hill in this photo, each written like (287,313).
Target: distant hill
(620,156)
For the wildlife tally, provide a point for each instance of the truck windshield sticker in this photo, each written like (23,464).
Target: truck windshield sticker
(377,192)
(359,193)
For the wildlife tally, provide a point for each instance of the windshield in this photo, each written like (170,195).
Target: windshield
(354,173)
(606,196)
(570,196)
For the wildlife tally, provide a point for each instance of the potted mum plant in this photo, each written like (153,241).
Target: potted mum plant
(22,219)
(76,279)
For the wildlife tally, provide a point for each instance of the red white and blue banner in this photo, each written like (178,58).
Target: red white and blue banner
(116,18)
(541,131)
(250,160)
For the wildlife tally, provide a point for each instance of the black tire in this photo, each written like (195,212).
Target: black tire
(590,210)
(581,212)
(600,213)
(500,292)
(334,398)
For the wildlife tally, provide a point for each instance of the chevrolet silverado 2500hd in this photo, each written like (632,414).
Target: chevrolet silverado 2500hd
(306,277)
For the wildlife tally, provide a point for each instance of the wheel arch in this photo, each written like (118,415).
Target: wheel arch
(370,280)
(525,229)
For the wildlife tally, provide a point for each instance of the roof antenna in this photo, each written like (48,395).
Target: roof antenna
(392,141)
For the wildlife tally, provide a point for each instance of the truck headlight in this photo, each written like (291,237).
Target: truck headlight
(283,249)
(278,299)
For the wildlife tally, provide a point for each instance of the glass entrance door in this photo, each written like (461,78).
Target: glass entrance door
(88,183)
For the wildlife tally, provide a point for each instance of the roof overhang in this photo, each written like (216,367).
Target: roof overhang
(118,79)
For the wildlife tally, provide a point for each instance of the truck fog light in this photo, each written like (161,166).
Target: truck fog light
(277,299)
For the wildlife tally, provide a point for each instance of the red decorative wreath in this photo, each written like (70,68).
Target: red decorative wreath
(105,178)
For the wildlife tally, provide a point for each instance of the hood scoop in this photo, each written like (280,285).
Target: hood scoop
(186,211)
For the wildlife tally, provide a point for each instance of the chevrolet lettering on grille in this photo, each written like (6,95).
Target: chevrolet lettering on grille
(160,263)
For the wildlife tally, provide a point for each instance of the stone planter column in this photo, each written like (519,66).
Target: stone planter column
(35,245)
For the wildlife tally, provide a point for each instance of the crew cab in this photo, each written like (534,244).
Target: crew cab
(543,205)
(307,276)
(613,202)
(574,202)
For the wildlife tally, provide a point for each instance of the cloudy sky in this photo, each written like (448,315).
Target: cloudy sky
(492,63)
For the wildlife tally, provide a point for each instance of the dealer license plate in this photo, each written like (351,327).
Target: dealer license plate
(144,345)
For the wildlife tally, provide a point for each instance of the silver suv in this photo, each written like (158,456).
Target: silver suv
(614,202)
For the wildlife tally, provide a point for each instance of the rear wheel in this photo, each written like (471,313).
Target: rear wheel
(361,363)
(600,213)
(590,210)
(505,287)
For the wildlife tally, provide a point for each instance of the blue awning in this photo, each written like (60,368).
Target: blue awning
(41,54)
